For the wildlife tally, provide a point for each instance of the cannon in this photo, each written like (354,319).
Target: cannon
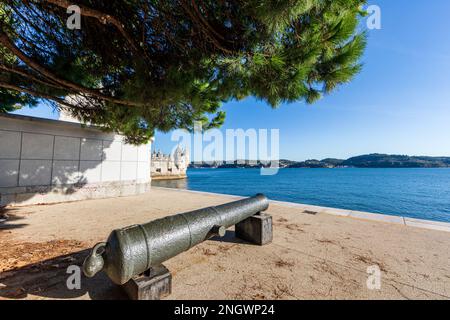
(133,250)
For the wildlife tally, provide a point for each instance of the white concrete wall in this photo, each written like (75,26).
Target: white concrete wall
(47,154)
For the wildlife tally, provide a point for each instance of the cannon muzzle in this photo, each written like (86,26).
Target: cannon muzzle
(133,250)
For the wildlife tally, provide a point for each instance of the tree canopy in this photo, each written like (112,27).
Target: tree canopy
(135,66)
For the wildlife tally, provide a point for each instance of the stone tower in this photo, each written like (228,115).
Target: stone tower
(171,166)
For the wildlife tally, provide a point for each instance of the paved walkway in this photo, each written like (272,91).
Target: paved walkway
(314,254)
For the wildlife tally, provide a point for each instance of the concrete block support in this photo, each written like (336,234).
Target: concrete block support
(256,229)
(155,284)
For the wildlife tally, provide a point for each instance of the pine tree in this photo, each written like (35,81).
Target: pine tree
(140,65)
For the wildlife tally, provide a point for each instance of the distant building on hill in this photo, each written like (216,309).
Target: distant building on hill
(172,166)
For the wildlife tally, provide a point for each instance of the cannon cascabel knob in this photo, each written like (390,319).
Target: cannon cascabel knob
(94,262)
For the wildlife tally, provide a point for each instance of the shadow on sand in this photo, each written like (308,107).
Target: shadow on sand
(48,279)
(230,237)
(8,220)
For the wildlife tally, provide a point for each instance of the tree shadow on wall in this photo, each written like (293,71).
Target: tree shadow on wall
(62,177)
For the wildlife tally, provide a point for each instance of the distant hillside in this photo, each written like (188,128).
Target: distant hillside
(365,161)
(396,161)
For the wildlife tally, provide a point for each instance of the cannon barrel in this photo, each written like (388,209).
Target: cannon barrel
(133,250)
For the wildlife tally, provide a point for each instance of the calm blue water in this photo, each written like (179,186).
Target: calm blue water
(416,193)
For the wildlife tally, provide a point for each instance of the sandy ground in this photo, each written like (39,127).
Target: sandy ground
(313,256)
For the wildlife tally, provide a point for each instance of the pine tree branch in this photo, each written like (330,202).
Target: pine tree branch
(35,94)
(6,41)
(205,28)
(204,21)
(31,77)
(100,16)
(35,26)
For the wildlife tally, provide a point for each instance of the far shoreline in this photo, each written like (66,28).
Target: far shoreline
(374,160)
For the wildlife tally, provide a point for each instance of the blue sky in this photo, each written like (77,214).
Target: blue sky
(399,103)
